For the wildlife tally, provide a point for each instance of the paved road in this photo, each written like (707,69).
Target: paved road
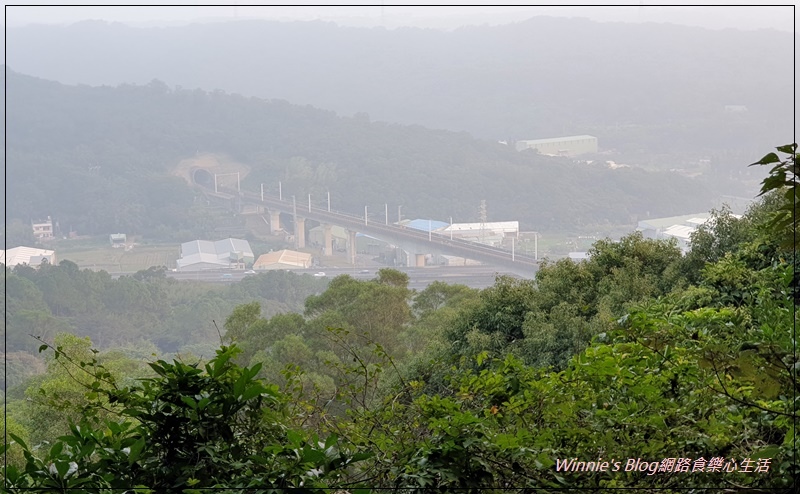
(419,278)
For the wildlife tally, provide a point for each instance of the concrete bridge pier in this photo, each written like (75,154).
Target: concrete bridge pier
(351,246)
(328,240)
(419,260)
(274,222)
(300,232)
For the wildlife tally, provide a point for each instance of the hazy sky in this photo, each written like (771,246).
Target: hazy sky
(715,17)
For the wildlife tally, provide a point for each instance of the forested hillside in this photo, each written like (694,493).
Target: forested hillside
(99,159)
(659,88)
(637,368)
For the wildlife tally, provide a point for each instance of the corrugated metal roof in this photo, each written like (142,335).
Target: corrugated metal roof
(197,247)
(229,245)
(220,253)
(202,257)
(661,223)
(220,248)
(697,221)
(679,231)
(286,257)
(23,255)
(426,225)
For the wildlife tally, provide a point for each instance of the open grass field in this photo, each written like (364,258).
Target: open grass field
(120,261)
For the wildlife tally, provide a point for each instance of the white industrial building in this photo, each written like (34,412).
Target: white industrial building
(201,255)
(490,233)
(26,255)
(561,146)
(678,227)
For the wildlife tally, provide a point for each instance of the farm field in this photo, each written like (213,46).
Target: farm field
(121,261)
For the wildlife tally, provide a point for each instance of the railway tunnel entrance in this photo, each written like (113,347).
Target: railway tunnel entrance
(203,177)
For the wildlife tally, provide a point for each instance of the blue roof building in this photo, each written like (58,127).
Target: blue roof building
(426,225)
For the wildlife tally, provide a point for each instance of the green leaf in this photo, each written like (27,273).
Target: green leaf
(293,437)
(56,449)
(219,364)
(272,449)
(766,160)
(202,404)
(238,386)
(331,441)
(770,451)
(159,367)
(136,449)
(189,401)
(18,440)
(251,373)
(42,348)
(313,456)
(788,148)
(252,392)
(62,467)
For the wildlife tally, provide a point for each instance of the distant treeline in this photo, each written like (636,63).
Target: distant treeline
(168,315)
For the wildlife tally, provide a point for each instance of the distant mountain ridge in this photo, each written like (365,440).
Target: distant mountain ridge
(540,77)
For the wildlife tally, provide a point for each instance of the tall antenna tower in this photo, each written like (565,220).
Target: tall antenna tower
(483,217)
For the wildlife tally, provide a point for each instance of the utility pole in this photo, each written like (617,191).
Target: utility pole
(483,217)
(309,203)
(294,218)
(262,192)
(329,201)
(451,228)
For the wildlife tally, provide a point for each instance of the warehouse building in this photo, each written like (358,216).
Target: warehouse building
(680,228)
(283,259)
(26,255)
(489,233)
(201,255)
